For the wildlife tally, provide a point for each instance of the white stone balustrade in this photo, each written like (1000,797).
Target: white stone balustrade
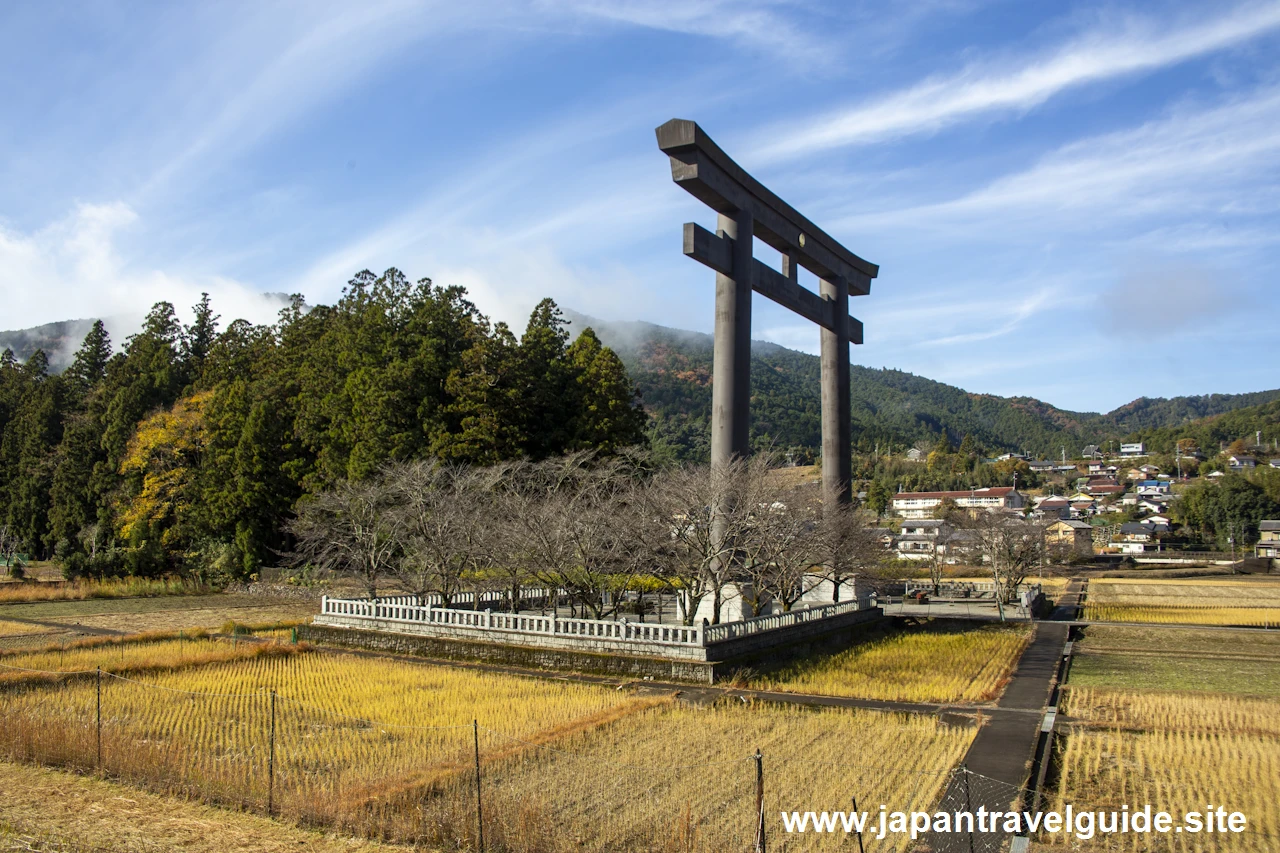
(760,624)
(391,612)
(406,610)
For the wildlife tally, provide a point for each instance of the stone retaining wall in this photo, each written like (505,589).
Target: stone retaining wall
(727,658)
(630,666)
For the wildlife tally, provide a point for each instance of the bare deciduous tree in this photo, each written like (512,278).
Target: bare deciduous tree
(783,548)
(443,515)
(10,542)
(576,519)
(851,546)
(1012,546)
(698,519)
(351,529)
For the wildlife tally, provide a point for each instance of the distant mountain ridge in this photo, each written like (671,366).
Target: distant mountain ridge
(890,408)
(59,340)
(672,368)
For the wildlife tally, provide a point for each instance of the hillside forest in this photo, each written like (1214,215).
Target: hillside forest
(190,447)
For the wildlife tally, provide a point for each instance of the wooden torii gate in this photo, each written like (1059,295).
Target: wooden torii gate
(746,208)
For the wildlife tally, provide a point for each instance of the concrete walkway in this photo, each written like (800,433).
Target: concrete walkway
(1002,753)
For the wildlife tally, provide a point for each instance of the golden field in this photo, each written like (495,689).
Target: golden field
(122,655)
(1175,748)
(1207,614)
(944,663)
(674,778)
(1187,602)
(108,588)
(385,750)
(1256,590)
(53,810)
(1175,771)
(1148,710)
(15,629)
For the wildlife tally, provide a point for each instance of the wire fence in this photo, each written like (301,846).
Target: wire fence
(479,786)
(473,787)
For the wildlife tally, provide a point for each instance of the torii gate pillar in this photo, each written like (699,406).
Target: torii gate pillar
(731,356)
(837,438)
(746,209)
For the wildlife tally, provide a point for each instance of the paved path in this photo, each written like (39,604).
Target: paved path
(1000,756)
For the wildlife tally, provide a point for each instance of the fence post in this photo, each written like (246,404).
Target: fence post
(855,812)
(759,801)
(968,804)
(475,730)
(271,760)
(99,715)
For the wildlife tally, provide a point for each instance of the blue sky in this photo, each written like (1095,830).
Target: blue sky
(1075,202)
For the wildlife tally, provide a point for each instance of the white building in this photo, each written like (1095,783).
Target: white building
(924,504)
(1134,449)
(919,540)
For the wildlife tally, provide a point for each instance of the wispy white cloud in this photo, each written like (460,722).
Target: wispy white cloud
(291,63)
(756,24)
(1112,50)
(1193,163)
(1012,315)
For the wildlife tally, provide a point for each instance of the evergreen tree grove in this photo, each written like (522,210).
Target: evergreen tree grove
(190,447)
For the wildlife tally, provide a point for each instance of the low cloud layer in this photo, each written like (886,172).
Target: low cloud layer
(73,269)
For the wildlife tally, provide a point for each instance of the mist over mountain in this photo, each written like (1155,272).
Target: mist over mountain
(61,339)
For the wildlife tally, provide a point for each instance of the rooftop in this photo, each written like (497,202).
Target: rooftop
(993,492)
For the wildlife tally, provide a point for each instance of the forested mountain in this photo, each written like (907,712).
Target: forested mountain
(1211,434)
(672,369)
(190,446)
(58,341)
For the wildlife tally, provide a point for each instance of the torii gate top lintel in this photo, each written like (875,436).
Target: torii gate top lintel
(746,208)
(710,175)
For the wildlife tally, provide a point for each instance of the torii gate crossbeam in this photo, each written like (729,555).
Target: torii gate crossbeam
(746,208)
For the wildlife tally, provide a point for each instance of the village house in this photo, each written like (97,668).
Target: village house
(1081,509)
(1069,534)
(923,504)
(1268,540)
(1054,506)
(915,454)
(1141,531)
(1153,487)
(1131,450)
(919,540)
(1242,463)
(1156,505)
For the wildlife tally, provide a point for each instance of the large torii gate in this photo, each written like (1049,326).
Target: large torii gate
(746,208)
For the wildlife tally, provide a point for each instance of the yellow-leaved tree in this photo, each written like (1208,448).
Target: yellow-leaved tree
(160,468)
